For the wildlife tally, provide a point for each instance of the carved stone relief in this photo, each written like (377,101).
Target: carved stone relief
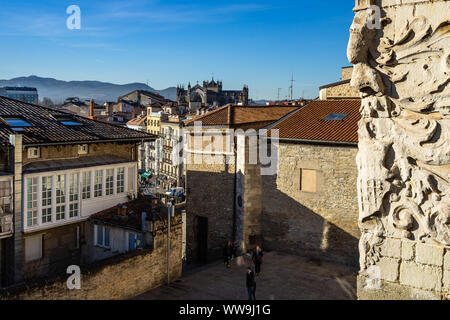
(403,72)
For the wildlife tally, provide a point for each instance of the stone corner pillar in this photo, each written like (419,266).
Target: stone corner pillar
(401,56)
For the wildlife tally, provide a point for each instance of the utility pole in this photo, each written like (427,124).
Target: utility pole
(279,90)
(292,87)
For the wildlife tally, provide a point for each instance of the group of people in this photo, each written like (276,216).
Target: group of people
(229,251)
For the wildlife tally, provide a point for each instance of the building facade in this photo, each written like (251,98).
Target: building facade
(215,171)
(24,94)
(64,168)
(310,205)
(171,164)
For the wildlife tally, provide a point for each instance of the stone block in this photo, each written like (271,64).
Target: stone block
(389,269)
(391,248)
(447,260)
(446,280)
(392,291)
(431,255)
(420,276)
(408,250)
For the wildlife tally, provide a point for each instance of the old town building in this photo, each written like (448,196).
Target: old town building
(63,168)
(310,205)
(341,89)
(215,173)
(171,164)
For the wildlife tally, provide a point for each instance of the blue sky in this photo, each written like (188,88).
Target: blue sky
(255,42)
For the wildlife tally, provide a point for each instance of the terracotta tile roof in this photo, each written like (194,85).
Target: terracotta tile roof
(46,126)
(232,115)
(308,123)
(140,121)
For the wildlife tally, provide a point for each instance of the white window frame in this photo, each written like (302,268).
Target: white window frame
(104,228)
(86,207)
(32,203)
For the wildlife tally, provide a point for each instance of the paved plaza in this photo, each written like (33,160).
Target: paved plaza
(283,277)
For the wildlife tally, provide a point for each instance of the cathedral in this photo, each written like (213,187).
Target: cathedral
(210,95)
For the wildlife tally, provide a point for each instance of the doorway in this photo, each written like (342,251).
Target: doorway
(202,239)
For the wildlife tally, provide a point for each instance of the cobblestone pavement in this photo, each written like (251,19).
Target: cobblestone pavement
(283,277)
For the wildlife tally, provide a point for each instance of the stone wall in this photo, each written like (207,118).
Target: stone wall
(321,224)
(59,250)
(407,270)
(69,151)
(342,91)
(402,69)
(210,195)
(119,277)
(346,73)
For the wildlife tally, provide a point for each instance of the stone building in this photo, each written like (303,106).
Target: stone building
(341,89)
(215,171)
(402,70)
(210,94)
(81,108)
(64,168)
(309,206)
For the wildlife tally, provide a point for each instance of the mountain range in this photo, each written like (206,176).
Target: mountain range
(59,90)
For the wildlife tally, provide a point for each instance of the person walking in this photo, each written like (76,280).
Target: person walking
(257,259)
(251,284)
(228,252)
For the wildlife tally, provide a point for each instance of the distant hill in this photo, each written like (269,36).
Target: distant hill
(58,90)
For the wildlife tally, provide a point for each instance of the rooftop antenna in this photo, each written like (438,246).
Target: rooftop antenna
(292,87)
(279,90)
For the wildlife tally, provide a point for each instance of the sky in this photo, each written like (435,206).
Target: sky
(259,43)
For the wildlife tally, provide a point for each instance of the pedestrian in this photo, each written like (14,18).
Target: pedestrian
(251,284)
(228,252)
(257,259)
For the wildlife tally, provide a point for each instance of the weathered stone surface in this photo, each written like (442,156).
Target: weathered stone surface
(446,280)
(321,224)
(432,255)
(389,269)
(401,69)
(391,248)
(392,291)
(408,250)
(420,276)
(447,260)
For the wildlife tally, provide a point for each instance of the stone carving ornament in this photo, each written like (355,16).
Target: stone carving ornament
(402,72)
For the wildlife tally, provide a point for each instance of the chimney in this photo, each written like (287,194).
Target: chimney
(91,111)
